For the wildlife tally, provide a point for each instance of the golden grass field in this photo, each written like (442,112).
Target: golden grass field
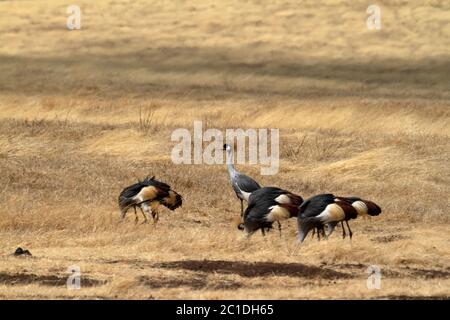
(360,112)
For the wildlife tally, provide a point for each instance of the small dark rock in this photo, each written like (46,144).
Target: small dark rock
(19,251)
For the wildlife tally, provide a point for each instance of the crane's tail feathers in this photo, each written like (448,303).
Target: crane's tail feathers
(330,228)
(305,225)
(125,203)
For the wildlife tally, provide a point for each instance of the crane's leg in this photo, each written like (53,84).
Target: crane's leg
(144,207)
(242,208)
(349,230)
(143,214)
(343,230)
(263,232)
(155,216)
(324,234)
(136,219)
(313,233)
(320,232)
(279,227)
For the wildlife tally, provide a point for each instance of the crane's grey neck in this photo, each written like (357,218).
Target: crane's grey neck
(231,169)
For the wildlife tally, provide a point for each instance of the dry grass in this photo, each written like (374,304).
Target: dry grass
(85,113)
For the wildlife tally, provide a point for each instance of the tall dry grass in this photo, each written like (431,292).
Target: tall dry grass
(85,113)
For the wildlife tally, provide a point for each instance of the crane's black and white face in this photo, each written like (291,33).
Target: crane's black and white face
(226,147)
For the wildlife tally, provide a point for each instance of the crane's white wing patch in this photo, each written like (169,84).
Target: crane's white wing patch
(146,193)
(283,199)
(361,208)
(332,212)
(277,213)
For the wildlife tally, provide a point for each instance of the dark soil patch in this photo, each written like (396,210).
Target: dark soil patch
(405,297)
(389,238)
(254,269)
(405,272)
(344,265)
(45,280)
(195,283)
(427,273)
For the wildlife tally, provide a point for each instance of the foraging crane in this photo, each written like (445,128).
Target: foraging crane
(242,185)
(363,208)
(267,205)
(329,209)
(148,195)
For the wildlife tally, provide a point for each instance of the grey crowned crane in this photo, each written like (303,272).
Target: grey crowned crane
(267,205)
(328,209)
(148,195)
(363,208)
(242,185)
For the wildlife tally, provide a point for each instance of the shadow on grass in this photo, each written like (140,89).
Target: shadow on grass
(141,72)
(254,269)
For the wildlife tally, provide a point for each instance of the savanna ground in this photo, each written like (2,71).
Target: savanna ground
(85,113)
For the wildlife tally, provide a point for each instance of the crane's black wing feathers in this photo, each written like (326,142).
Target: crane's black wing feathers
(131,191)
(246,184)
(349,199)
(158,184)
(265,196)
(260,203)
(125,197)
(315,205)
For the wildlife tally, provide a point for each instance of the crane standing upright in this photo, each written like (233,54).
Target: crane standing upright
(242,185)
